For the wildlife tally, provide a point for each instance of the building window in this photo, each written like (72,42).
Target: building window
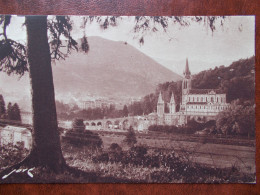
(197,99)
(193,99)
(189,99)
(221,99)
(206,99)
(212,99)
(201,99)
(217,99)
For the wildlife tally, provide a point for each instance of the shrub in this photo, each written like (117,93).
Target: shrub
(115,153)
(11,154)
(84,138)
(130,138)
(78,125)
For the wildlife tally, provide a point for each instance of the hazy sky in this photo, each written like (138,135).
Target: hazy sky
(204,49)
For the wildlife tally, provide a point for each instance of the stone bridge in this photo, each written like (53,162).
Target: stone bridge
(139,123)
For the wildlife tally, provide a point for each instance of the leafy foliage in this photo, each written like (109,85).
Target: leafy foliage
(13,54)
(2,107)
(191,127)
(163,166)
(11,154)
(61,26)
(239,120)
(236,80)
(78,125)
(13,112)
(83,138)
(130,138)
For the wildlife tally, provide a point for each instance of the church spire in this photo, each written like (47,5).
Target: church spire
(187,70)
(172,101)
(160,100)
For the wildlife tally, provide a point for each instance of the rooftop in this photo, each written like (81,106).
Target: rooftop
(205,91)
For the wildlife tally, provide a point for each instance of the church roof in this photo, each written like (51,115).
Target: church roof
(198,103)
(205,91)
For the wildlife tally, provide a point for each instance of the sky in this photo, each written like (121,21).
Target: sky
(204,49)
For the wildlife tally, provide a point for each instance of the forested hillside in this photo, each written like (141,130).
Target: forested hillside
(236,80)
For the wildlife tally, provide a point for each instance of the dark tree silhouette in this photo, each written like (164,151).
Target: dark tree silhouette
(130,138)
(125,111)
(78,125)
(46,149)
(13,112)
(2,107)
(9,111)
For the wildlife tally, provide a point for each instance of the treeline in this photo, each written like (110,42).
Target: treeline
(191,127)
(239,120)
(236,80)
(65,112)
(12,112)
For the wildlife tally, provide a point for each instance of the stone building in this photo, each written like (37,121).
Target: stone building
(15,135)
(199,104)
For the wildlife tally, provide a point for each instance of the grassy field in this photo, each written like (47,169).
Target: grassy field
(172,159)
(211,154)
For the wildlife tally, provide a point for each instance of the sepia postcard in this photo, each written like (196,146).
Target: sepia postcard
(127,99)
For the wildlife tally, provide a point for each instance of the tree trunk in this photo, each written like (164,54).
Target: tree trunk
(46,148)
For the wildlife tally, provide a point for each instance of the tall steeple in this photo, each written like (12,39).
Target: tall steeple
(172,99)
(186,83)
(172,105)
(187,70)
(160,100)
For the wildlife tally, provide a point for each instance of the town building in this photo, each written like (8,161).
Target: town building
(198,104)
(15,135)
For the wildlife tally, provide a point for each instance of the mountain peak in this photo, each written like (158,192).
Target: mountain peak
(110,68)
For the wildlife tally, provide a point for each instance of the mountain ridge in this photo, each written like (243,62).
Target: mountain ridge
(109,69)
(120,65)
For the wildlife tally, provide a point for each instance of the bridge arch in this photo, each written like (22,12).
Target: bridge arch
(109,124)
(125,124)
(116,124)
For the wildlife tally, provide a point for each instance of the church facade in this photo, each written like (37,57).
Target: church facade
(199,104)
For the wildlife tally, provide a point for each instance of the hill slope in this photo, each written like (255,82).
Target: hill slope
(109,69)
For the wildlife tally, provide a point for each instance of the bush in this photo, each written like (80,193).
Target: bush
(83,138)
(115,153)
(130,138)
(78,125)
(11,154)
(191,127)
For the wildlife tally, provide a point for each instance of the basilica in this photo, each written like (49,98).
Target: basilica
(199,104)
